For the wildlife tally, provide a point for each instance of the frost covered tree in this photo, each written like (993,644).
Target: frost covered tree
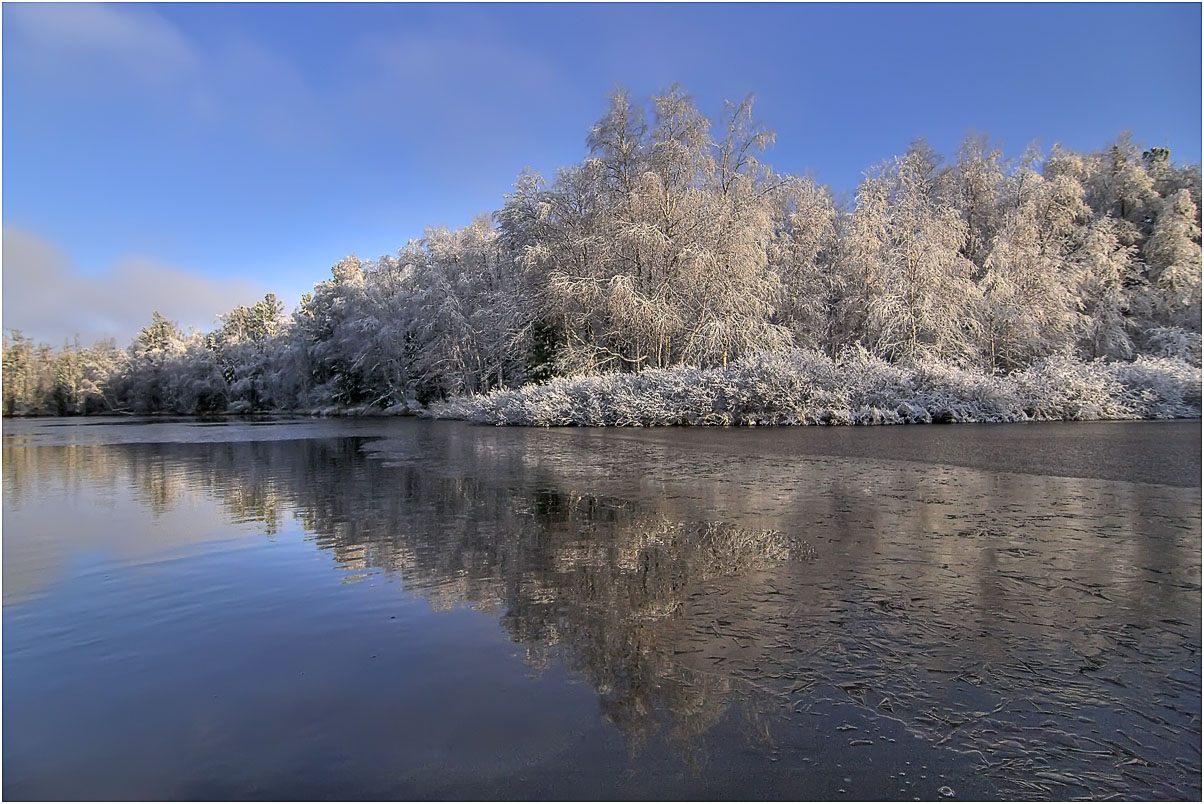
(1119,186)
(329,326)
(150,380)
(920,296)
(560,238)
(20,374)
(1030,304)
(654,251)
(733,290)
(70,381)
(671,245)
(470,325)
(245,350)
(803,253)
(972,185)
(1107,269)
(1173,256)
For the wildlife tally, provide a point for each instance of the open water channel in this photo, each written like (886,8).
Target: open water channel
(362,609)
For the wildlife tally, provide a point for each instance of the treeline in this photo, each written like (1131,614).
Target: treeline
(672,245)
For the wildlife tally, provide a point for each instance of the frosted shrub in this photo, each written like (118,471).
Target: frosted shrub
(1158,388)
(1061,388)
(1175,342)
(951,394)
(807,388)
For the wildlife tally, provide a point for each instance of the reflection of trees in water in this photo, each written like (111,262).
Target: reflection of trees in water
(610,591)
(31,471)
(592,580)
(160,476)
(969,606)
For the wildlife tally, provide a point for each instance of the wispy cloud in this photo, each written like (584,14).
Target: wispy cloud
(108,50)
(48,298)
(81,39)
(470,76)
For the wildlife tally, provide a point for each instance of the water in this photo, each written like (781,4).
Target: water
(406,609)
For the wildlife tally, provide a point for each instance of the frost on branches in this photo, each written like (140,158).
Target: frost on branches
(672,277)
(809,388)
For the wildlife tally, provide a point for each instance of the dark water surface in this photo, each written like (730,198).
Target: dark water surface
(408,609)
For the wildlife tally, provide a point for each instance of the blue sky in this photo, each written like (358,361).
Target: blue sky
(191,157)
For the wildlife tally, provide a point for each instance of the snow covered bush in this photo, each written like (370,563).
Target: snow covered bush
(1175,342)
(807,387)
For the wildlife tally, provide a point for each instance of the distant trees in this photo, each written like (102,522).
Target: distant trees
(243,352)
(71,381)
(672,244)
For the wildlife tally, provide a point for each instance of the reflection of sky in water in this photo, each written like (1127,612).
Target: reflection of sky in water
(68,507)
(751,612)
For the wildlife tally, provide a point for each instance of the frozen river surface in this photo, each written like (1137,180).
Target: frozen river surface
(404,609)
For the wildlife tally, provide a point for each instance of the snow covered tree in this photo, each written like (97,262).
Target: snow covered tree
(329,327)
(149,383)
(802,252)
(19,374)
(244,349)
(1029,307)
(654,250)
(671,245)
(1107,267)
(1173,256)
(470,324)
(920,295)
(1118,185)
(973,186)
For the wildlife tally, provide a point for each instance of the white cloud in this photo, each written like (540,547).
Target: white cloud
(107,50)
(49,299)
(82,39)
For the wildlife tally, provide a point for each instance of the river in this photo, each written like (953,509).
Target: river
(404,609)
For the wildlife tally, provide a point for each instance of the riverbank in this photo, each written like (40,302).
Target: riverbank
(809,388)
(804,388)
